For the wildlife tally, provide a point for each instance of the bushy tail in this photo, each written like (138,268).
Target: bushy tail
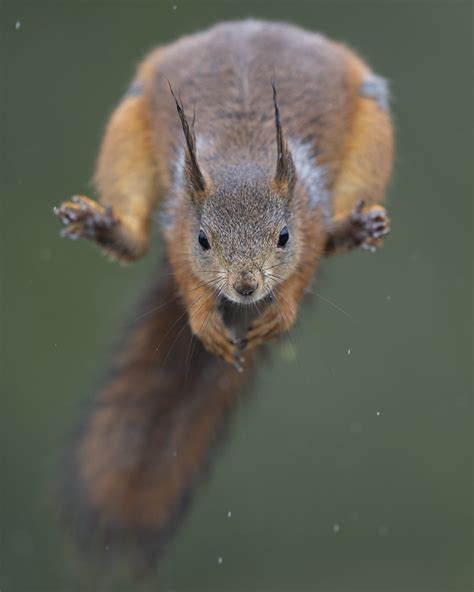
(149,436)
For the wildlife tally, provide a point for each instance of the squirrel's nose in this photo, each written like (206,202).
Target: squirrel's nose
(245,291)
(247,285)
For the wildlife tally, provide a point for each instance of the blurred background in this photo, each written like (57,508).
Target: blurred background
(349,468)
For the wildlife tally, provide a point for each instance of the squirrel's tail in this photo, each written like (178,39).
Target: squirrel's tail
(151,431)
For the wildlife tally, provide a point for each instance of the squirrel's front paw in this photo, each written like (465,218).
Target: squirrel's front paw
(218,340)
(370,225)
(84,217)
(269,325)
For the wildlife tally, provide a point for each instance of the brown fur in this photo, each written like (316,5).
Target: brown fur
(232,175)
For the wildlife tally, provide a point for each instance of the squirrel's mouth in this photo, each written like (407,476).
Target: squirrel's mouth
(260,295)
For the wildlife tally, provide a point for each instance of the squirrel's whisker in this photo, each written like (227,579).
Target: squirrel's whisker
(273,266)
(193,314)
(156,308)
(333,304)
(287,329)
(169,330)
(193,342)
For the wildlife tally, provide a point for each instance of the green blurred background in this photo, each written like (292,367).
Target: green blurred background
(349,469)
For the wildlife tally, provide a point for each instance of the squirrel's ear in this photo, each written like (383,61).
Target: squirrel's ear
(194,176)
(285,168)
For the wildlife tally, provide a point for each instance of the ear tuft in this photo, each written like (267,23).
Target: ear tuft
(285,168)
(194,175)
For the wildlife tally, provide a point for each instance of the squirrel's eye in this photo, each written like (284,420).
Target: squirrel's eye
(284,236)
(202,238)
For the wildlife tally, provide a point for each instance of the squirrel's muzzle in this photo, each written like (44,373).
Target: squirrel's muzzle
(246,285)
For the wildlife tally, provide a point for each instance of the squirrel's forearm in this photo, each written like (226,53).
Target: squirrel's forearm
(367,153)
(126,180)
(126,170)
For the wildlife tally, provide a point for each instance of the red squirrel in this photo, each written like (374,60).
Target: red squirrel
(266,147)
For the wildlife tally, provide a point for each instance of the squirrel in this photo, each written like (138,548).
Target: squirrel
(284,160)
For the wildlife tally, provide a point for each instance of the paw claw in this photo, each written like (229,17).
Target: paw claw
(71,232)
(368,247)
(237,363)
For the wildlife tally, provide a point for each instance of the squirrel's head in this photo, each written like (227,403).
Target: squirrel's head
(243,240)
(244,235)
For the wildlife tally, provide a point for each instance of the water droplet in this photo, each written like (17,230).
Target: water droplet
(349,352)
(378,413)
(229,514)
(336,528)
(17,25)
(220,560)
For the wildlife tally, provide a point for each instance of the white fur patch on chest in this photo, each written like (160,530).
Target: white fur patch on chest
(312,176)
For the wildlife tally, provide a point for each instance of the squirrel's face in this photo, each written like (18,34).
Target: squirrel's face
(244,240)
